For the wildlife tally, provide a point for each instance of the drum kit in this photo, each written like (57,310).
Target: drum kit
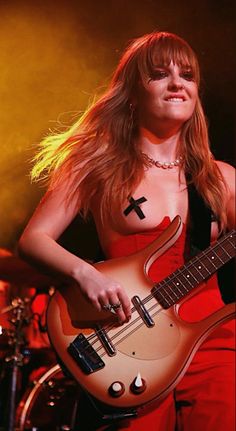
(47,403)
(36,393)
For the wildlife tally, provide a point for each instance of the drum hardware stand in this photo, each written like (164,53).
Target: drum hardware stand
(99,417)
(15,360)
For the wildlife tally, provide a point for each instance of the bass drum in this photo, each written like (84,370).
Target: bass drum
(50,405)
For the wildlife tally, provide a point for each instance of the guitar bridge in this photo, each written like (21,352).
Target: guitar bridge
(85,355)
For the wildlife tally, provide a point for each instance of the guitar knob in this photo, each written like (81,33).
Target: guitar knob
(138,385)
(116,389)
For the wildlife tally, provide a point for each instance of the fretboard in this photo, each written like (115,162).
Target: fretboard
(181,282)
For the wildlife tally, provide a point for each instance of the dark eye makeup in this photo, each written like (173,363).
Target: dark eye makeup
(187,74)
(162,73)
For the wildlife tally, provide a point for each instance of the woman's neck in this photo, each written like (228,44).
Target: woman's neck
(162,148)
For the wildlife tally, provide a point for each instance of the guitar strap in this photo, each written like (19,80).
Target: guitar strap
(201,217)
(199,221)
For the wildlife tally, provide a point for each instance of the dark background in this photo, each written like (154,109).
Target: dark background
(54,56)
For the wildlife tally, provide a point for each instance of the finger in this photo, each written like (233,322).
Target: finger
(126,304)
(103,302)
(121,312)
(121,315)
(108,302)
(116,306)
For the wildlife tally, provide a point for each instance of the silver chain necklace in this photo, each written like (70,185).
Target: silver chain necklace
(163,165)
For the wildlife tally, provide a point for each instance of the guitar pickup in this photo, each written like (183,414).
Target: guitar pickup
(85,355)
(105,340)
(142,311)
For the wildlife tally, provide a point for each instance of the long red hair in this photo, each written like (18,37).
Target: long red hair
(99,153)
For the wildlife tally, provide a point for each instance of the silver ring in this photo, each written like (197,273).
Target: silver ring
(111,307)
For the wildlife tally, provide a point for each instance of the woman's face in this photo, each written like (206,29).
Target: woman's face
(166,100)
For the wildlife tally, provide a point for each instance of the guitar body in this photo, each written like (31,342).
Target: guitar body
(160,353)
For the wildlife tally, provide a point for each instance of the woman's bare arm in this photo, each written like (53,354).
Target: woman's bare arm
(38,243)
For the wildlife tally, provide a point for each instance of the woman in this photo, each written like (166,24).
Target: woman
(129,161)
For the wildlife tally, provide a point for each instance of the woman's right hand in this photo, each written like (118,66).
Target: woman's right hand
(102,292)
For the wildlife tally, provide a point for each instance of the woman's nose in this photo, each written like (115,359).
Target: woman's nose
(175,82)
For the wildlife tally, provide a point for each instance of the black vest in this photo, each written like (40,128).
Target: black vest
(200,233)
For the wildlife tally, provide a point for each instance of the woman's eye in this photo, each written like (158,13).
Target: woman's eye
(158,74)
(188,76)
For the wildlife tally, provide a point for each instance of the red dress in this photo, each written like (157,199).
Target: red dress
(204,399)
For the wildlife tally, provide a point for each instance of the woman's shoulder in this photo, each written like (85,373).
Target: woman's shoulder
(227,172)
(225,168)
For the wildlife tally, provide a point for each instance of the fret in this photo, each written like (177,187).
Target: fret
(205,267)
(199,273)
(182,279)
(181,286)
(167,294)
(170,281)
(210,260)
(227,244)
(217,260)
(182,289)
(160,296)
(198,269)
(220,258)
(187,277)
(192,275)
(177,285)
(172,286)
(227,253)
(202,271)
(173,296)
(176,288)
(168,290)
(223,253)
(191,279)
(209,264)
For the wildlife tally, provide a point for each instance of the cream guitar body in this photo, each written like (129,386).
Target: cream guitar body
(144,359)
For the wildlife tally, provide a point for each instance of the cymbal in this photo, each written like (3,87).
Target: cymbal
(16,302)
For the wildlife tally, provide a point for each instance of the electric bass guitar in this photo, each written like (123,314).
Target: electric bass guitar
(140,361)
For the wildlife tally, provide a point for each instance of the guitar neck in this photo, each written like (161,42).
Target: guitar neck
(181,282)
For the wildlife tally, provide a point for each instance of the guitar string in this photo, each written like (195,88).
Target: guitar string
(193,262)
(132,330)
(123,329)
(133,309)
(189,265)
(112,326)
(135,329)
(135,321)
(165,283)
(157,286)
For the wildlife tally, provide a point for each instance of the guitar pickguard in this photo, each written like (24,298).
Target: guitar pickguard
(164,338)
